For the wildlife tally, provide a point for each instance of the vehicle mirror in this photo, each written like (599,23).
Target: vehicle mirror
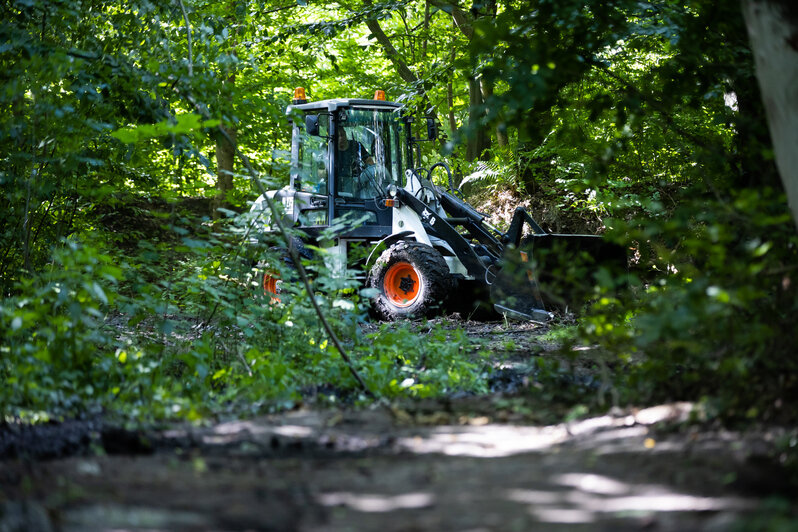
(432,129)
(312,125)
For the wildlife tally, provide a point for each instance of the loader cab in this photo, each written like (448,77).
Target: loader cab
(345,156)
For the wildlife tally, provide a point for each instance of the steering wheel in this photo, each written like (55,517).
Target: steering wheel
(373,177)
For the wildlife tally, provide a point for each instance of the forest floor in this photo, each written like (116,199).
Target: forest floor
(500,461)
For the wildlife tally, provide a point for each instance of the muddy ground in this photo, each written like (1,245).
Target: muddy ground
(495,462)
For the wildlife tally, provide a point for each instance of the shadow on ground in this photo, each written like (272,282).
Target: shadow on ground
(370,470)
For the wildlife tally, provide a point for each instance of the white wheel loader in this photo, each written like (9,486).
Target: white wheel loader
(357,159)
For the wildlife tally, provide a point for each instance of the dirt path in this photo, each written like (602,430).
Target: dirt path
(436,465)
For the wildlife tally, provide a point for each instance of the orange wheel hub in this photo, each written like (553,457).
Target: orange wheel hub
(270,286)
(402,284)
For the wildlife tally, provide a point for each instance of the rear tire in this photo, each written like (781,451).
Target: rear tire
(413,280)
(270,274)
(270,282)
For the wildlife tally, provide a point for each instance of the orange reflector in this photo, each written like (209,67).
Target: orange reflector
(379,95)
(299,95)
(390,202)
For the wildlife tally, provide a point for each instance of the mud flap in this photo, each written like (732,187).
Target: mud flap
(552,271)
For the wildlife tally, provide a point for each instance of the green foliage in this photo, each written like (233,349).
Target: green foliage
(648,120)
(639,120)
(182,329)
(718,316)
(775,515)
(560,333)
(190,123)
(428,365)
(52,330)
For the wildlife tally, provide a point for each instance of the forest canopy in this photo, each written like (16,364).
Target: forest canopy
(125,262)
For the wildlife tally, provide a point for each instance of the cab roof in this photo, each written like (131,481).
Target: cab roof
(338,103)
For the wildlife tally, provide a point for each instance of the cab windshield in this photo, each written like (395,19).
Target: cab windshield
(368,154)
(366,150)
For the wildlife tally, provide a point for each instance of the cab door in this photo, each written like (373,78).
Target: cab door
(310,175)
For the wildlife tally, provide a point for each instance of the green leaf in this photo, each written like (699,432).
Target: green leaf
(184,124)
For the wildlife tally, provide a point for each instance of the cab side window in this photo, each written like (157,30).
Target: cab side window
(312,173)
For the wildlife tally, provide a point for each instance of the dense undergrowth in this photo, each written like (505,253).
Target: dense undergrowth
(179,327)
(707,310)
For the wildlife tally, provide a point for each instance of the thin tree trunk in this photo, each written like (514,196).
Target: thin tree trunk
(426,31)
(399,63)
(773,31)
(450,92)
(476,138)
(487,92)
(450,104)
(225,160)
(225,152)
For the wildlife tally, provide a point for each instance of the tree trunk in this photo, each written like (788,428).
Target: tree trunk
(478,141)
(450,104)
(487,92)
(226,143)
(773,31)
(399,63)
(225,158)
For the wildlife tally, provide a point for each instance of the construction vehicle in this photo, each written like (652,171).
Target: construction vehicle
(358,159)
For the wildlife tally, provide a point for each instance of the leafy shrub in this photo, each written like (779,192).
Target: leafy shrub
(715,317)
(57,350)
(182,328)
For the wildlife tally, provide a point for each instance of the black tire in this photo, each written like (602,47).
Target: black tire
(413,280)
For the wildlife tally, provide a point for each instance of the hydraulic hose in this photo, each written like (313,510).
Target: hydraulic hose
(448,171)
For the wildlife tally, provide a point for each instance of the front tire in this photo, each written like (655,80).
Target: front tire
(413,280)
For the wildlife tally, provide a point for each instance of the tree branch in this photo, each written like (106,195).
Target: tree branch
(462,20)
(188,35)
(291,249)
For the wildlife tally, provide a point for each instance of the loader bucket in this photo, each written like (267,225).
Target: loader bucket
(553,272)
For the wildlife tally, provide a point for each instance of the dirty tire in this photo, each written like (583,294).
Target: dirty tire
(413,281)
(269,274)
(269,279)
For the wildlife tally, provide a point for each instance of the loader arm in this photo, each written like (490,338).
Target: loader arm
(463,214)
(516,230)
(439,225)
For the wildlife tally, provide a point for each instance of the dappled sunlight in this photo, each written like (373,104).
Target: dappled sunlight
(295,431)
(597,484)
(374,503)
(603,434)
(562,515)
(352,470)
(488,441)
(236,427)
(586,497)
(655,414)
(592,424)
(233,431)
